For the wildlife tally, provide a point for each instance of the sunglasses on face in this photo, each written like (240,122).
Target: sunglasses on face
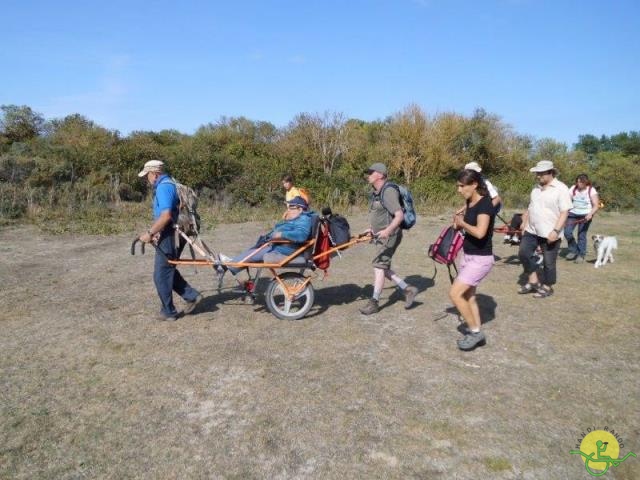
(293,207)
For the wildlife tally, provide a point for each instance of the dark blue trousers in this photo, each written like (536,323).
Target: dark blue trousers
(579,247)
(167,278)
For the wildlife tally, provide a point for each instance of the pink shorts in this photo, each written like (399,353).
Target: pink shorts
(473,268)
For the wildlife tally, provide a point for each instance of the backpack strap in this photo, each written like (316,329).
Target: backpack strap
(164,181)
(381,197)
(451,277)
(589,189)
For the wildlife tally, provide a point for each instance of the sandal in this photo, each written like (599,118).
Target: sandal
(543,292)
(529,288)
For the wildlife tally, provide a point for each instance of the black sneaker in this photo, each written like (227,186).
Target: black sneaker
(571,256)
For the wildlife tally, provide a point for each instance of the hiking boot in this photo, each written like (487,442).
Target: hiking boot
(409,296)
(370,307)
(190,306)
(579,259)
(472,340)
(571,256)
(166,318)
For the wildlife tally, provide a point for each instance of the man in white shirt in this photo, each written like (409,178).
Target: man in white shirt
(543,224)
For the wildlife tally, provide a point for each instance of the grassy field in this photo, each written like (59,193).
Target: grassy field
(92,387)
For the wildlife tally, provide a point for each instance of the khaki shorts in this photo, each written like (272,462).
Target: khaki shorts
(386,250)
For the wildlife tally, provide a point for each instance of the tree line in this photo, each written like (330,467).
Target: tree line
(71,164)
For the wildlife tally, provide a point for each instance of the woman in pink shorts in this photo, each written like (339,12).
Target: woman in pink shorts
(476,218)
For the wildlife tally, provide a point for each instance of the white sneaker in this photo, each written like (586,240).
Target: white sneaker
(221,268)
(224,258)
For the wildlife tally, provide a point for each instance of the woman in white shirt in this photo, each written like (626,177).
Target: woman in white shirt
(585,205)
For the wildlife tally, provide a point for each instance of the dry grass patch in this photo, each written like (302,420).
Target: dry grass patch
(91,387)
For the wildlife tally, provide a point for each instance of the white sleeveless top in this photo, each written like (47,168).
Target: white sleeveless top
(581,200)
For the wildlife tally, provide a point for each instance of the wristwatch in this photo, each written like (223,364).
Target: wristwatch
(557,231)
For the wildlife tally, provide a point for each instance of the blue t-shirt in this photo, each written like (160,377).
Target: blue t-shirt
(165,197)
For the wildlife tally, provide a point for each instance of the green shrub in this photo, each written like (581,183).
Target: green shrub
(13,202)
(618,179)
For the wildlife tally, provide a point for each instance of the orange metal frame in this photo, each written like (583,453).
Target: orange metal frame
(273,267)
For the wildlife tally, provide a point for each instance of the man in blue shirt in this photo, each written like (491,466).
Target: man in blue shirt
(167,278)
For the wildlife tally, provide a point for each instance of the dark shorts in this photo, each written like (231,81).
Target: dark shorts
(386,250)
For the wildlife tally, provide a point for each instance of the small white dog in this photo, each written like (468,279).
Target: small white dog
(604,246)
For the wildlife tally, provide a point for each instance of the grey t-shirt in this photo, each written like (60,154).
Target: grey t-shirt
(379,217)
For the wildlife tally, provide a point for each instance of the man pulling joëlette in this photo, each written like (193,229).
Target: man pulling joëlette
(167,278)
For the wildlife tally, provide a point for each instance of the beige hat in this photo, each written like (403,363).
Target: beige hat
(543,166)
(473,166)
(152,166)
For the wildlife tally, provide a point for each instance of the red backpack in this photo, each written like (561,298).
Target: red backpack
(323,244)
(446,247)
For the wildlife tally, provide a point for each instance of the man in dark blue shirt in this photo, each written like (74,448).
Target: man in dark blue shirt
(167,278)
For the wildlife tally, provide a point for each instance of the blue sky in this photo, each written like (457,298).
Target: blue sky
(548,68)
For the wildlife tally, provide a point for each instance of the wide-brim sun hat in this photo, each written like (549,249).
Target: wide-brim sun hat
(543,166)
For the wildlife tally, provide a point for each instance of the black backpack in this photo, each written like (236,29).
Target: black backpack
(339,230)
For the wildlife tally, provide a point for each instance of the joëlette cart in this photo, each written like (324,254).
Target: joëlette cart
(290,294)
